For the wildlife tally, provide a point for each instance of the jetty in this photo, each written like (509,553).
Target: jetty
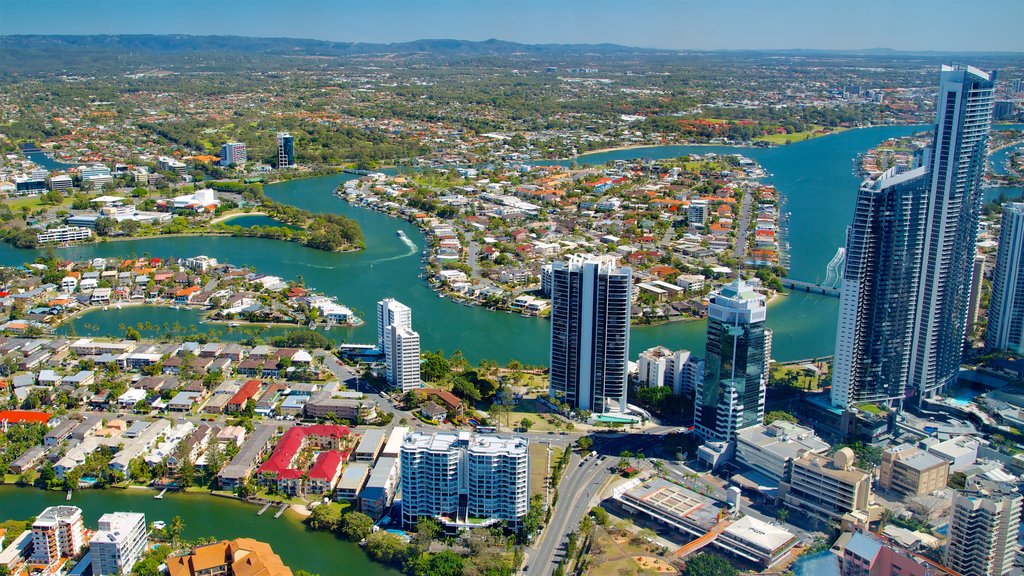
(264,509)
(810,287)
(160,496)
(280,510)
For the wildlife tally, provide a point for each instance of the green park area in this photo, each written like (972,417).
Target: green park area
(814,132)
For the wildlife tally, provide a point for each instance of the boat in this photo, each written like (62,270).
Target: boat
(159,524)
(233,324)
(69,496)
(400,234)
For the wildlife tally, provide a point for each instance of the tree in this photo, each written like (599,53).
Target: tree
(435,366)
(708,564)
(132,334)
(321,518)
(526,424)
(585,443)
(445,563)
(386,547)
(776,415)
(355,526)
(600,515)
(175,529)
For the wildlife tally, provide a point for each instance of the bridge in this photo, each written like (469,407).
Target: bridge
(810,287)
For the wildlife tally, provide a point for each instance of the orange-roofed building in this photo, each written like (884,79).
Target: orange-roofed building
(24,417)
(238,557)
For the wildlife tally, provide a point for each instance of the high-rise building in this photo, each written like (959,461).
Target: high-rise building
(119,543)
(956,163)
(1006,307)
(402,357)
(983,528)
(285,150)
(879,289)
(679,370)
(233,153)
(590,305)
(58,532)
(464,480)
(391,311)
(731,395)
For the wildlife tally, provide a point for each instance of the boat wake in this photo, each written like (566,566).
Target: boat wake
(412,250)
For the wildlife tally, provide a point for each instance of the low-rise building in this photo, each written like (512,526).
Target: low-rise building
(912,471)
(772,449)
(238,557)
(119,543)
(58,532)
(827,489)
(353,478)
(379,490)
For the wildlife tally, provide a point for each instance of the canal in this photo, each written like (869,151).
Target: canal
(317,552)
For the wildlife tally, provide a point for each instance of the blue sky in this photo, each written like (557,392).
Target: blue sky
(946,25)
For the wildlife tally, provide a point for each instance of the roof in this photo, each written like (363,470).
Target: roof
(247,391)
(24,417)
(280,460)
(863,546)
(247,557)
(759,533)
(326,466)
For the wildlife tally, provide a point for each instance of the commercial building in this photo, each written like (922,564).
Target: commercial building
(402,357)
(1006,307)
(771,450)
(879,289)
(64,234)
(464,480)
(285,150)
(680,370)
(731,395)
(61,183)
(828,489)
(58,532)
(233,153)
(238,557)
(983,528)
(956,165)
(119,543)
(590,315)
(912,471)
(867,554)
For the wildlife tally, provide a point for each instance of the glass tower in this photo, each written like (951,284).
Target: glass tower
(1006,308)
(285,150)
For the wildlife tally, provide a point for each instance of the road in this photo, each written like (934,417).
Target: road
(744,225)
(579,492)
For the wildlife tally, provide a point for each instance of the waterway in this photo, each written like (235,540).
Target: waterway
(223,518)
(817,178)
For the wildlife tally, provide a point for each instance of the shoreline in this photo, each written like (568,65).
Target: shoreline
(230,215)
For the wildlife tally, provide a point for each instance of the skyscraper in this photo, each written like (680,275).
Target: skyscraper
(879,290)
(233,153)
(399,344)
(731,395)
(983,528)
(285,150)
(956,164)
(402,357)
(590,302)
(1006,307)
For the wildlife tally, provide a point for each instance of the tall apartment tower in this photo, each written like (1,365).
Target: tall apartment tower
(956,163)
(879,289)
(399,343)
(119,543)
(402,357)
(731,395)
(233,153)
(1006,308)
(464,480)
(983,528)
(590,302)
(391,311)
(285,150)
(58,532)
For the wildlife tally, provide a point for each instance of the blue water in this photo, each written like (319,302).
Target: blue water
(819,564)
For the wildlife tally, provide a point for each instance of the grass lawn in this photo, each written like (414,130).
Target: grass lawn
(32,202)
(798,376)
(797,136)
(538,467)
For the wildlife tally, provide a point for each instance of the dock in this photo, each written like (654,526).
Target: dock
(280,510)
(160,496)
(264,509)
(68,499)
(809,287)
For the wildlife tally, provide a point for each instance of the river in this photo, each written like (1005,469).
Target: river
(318,552)
(816,177)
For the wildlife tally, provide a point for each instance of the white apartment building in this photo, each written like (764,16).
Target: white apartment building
(464,480)
(58,532)
(697,212)
(402,358)
(391,311)
(119,543)
(680,370)
(64,234)
(983,528)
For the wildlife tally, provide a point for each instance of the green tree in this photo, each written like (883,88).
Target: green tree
(175,529)
(585,443)
(445,563)
(386,547)
(132,334)
(435,366)
(776,415)
(322,518)
(355,526)
(708,564)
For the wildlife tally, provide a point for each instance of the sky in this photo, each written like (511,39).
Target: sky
(937,25)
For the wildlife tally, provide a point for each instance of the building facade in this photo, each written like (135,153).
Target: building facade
(879,290)
(590,306)
(402,357)
(1006,307)
(827,489)
(285,150)
(464,480)
(391,311)
(731,395)
(233,153)
(912,471)
(119,543)
(58,532)
(983,528)
(956,164)
(679,370)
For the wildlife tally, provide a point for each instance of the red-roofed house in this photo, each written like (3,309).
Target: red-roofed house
(324,473)
(446,399)
(237,402)
(23,417)
(184,296)
(284,469)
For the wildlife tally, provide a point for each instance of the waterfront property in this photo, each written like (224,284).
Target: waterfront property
(241,556)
